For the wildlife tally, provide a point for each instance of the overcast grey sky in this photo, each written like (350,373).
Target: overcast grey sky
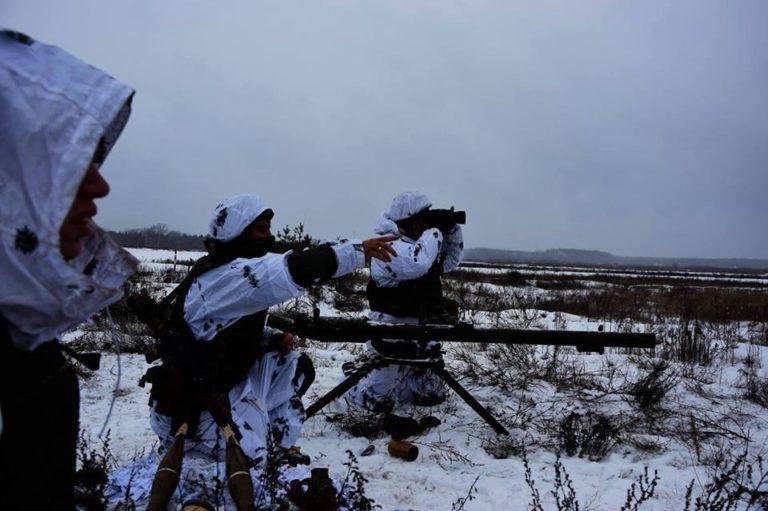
(637,127)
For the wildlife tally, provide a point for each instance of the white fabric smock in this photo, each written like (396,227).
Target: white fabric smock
(267,397)
(54,111)
(220,297)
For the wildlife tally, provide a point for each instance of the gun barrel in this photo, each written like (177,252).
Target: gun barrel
(360,330)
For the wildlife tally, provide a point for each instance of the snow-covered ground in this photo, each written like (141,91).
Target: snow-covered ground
(157,260)
(591,270)
(585,274)
(150,255)
(453,455)
(439,476)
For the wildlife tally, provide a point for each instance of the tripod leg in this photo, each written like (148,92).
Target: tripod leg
(341,389)
(471,401)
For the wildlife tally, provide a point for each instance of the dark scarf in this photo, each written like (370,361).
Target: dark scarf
(239,247)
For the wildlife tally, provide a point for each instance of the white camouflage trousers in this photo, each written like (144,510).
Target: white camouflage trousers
(384,388)
(265,399)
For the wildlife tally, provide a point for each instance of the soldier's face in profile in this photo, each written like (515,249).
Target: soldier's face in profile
(77,224)
(415,227)
(261,229)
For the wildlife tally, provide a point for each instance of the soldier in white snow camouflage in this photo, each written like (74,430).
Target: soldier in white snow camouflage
(407,290)
(59,118)
(222,307)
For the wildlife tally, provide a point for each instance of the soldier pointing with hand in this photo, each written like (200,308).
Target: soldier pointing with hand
(217,342)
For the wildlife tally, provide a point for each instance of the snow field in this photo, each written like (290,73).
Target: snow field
(452,456)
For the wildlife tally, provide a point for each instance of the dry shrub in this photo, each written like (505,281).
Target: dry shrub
(562,284)
(461,502)
(506,307)
(353,488)
(507,367)
(474,298)
(590,435)
(358,423)
(706,304)
(503,446)
(642,489)
(510,367)
(95,463)
(500,278)
(736,483)
(685,341)
(351,302)
(348,293)
(651,388)
(755,387)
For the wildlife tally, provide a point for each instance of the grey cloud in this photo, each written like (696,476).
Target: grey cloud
(635,127)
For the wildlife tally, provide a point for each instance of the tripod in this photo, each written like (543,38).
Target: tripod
(435,365)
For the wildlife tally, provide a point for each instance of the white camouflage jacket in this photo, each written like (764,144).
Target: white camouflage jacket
(414,258)
(220,297)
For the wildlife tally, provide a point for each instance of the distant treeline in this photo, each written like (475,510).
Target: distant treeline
(159,236)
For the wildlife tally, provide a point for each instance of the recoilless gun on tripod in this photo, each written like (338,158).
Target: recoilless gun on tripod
(361,330)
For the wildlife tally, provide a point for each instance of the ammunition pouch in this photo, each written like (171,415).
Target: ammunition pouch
(193,370)
(420,298)
(168,389)
(196,375)
(176,395)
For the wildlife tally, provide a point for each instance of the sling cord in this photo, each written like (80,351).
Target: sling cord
(116,343)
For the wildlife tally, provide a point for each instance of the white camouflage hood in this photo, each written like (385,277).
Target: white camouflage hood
(233,215)
(404,205)
(54,110)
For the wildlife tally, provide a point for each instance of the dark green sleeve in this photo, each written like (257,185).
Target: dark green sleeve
(312,265)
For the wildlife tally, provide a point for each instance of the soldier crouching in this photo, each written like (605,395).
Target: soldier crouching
(222,367)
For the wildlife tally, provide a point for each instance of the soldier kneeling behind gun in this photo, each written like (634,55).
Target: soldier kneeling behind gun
(222,367)
(407,290)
